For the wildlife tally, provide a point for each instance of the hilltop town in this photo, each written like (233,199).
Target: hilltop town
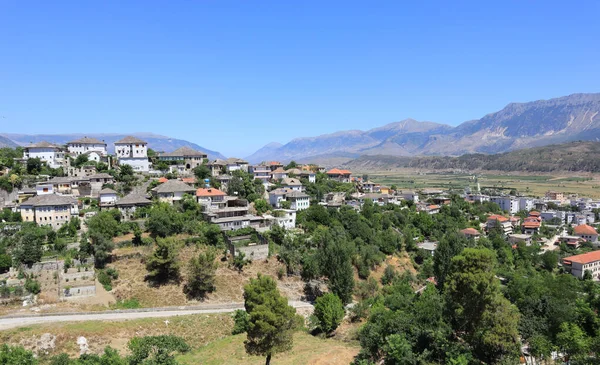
(82,228)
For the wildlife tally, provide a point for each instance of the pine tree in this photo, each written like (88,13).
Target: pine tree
(201,274)
(163,265)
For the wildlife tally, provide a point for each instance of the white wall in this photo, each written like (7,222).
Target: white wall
(78,149)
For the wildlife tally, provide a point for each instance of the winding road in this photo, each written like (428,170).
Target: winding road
(14,321)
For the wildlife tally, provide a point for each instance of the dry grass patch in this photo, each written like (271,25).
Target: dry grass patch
(307,349)
(197,329)
(229,283)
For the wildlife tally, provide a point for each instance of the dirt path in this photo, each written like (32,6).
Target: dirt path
(8,322)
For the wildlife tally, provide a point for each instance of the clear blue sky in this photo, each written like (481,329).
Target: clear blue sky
(235,75)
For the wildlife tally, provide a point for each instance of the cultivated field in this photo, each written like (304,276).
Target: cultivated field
(531,184)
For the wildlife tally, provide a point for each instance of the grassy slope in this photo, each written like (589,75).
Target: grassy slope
(307,350)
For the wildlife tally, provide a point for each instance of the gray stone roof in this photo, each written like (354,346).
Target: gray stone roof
(107,191)
(296,194)
(234,160)
(102,175)
(42,144)
(134,199)
(290,181)
(184,151)
(87,140)
(131,140)
(218,162)
(48,200)
(173,186)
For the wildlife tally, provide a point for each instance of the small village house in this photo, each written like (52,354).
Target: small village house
(49,210)
(129,204)
(577,265)
(48,153)
(586,232)
(172,191)
(133,151)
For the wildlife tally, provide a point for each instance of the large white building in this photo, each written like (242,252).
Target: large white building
(507,203)
(87,145)
(133,151)
(49,153)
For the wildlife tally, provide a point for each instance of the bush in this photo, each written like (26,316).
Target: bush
(240,322)
(127,304)
(329,311)
(32,286)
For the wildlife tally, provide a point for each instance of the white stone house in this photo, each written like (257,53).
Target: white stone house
(172,191)
(87,145)
(49,210)
(133,151)
(107,197)
(49,153)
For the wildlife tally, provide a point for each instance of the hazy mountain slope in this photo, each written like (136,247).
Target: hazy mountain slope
(155,141)
(518,125)
(583,156)
(264,154)
(5,142)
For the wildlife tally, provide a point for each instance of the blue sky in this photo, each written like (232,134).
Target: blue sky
(235,75)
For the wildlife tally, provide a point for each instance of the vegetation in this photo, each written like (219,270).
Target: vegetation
(329,311)
(162,264)
(271,320)
(201,274)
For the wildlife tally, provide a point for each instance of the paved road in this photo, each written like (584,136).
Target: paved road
(8,322)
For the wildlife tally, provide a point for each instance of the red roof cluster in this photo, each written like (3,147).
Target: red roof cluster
(470,232)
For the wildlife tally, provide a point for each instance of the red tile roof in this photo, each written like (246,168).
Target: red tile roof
(584,229)
(497,217)
(434,207)
(338,172)
(163,180)
(189,180)
(534,213)
(209,192)
(584,258)
(534,224)
(470,231)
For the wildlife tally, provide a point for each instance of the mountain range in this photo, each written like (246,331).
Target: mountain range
(516,126)
(155,141)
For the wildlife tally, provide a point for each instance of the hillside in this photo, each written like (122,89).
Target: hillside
(578,156)
(155,141)
(518,125)
(5,142)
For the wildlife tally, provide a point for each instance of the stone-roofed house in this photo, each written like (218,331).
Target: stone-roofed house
(86,145)
(130,203)
(235,164)
(292,183)
(133,151)
(51,154)
(260,172)
(279,174)
(189,156)
(107,198)
(172,191)
(216,167)
(49,210)
(298,200)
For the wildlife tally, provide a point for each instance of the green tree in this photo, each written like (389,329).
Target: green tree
(271,320)
(329,310)
(398,351)
(81,160)
(549,260)
(163,263)
(201,274)
(261,206)
(5,263)
(572,340)
(336,264)
(449,246)
(164,221)
(103,224)
(34,166)
(201,172)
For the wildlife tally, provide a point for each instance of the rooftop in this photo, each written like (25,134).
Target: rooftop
(209,192)
(584,258)
(87,140)
(173,186)
(130,140)
(134,199)
(584,229)
(470,231)
(49,199)
(43,144)
(290,181)
(107,191)
(336,171)
(184,151)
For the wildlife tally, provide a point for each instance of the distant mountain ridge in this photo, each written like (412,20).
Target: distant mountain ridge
(579,156)
(518,125)
(155,141)
(5,142)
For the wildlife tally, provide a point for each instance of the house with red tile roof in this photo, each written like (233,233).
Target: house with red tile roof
(496,220)
(586,232)
(531,225)
(471,233)
(579,264)
(339,175)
